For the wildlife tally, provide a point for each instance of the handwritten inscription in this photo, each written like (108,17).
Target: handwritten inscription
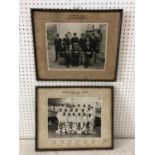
(74,92)
(76,16)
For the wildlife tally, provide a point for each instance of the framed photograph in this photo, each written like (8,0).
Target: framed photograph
(76,44)
(74,118)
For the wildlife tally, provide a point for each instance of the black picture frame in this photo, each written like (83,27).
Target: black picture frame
(70,149)
(33,10)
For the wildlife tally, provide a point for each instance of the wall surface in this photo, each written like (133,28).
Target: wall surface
(124,86)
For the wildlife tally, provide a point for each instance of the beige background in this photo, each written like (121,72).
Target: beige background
(106,118)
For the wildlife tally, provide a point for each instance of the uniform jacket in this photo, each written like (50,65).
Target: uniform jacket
(74,40)
(94,42)
(66,41)
(82,42)
(57,42)
(62,51)
(75,52)
(88,51)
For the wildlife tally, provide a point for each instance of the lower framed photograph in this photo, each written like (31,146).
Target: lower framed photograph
(70,118)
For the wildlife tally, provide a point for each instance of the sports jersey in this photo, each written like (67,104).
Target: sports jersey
(74,127)
(82,112)
(79,128)
(76,114)
(68,109)
(79,118)
(59,116)
(84,128)
(86,109)
(70,127)
(60,125)
(63,130)
(64,118)
(90,118)
(74,110)
(91,111)
(63,108)
(85,119)
(74,119)
(70,119)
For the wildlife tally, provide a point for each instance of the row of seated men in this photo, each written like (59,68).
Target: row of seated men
(74,49)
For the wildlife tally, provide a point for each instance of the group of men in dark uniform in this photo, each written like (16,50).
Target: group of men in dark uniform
(74,48)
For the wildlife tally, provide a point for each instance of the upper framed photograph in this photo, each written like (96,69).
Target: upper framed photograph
(74,118)
(76,44)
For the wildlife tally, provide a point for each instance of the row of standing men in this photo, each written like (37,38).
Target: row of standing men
(72,49)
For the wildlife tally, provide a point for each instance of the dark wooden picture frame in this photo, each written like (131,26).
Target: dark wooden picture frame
(49,143)
(108,71)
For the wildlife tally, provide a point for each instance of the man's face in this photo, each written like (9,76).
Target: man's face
(88,33)
(82,36)
(93,36)
(75,46)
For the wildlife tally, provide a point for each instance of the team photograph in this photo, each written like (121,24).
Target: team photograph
(76,45)
(74,117)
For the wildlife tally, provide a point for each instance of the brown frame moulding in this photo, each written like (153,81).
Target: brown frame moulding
(68,10)
(71,149)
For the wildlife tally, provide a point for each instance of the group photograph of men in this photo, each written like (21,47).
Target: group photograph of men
(68,118)
(76,45)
